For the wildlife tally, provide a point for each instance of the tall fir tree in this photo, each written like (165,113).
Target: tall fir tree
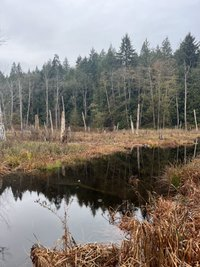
(127,56)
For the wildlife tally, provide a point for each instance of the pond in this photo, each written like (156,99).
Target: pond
(85,191)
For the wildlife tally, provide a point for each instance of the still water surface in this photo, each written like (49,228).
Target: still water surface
(86,191)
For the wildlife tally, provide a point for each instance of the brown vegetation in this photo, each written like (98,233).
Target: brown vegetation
(24,153)
(169,237)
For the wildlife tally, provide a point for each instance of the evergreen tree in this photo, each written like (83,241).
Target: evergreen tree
(166,49)
(145,54)
(127,56)
(188,52)
(108,87)
(187,58)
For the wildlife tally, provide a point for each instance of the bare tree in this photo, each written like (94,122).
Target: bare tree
(29,100)
(57,100)
(186,72)
(47,94)
(2,128)
(20,104)
(152,98)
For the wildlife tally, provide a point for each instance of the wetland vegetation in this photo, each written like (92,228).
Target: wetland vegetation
(168,234)
(24,154)
(91,175)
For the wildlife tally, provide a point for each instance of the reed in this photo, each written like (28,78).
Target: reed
(168,237)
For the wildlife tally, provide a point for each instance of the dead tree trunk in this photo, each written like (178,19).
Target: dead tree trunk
(57,101)
(11,104)
(125,97)
(132,125)
(3,109)
(152,98)
(29,102)
(186,71)
(107,98)
(51,124)
(138,119)
(63,134)
(37,123)
(2,128)
(62,130)
(138,158)
(47,96)
(20,104)
(159,100)
(195,119)
(85,126)
(112,87)
(85,100)
(177,112)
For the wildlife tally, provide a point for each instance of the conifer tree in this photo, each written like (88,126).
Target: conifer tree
(127,56)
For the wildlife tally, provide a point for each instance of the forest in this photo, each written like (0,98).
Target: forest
(110,89)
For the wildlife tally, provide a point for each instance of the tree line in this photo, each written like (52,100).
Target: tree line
(158,88)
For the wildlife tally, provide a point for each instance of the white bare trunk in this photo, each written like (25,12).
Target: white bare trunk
(20,104)
(85,126)
(138,119)
(152,98)
(47,97)
(186,71)
(125,96)
(185,101)
(107,98)
(62,130)
(177,112)
(29,102)
(37,123)
(57,102)
(11,106)
(195,119)
(132,125)
(2,128)
(138,158)
(51,123)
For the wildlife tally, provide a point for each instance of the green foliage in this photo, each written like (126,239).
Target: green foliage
(127,56)
(188,52)
(107,87)
(176,180)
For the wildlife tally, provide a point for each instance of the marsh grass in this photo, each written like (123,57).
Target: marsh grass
(169,237)
(28,156)
(175,176)
(19,152)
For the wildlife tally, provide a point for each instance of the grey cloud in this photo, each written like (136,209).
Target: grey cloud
(37,29)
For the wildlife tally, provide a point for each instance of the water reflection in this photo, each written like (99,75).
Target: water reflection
(111,178)
(4,253)
(91,188)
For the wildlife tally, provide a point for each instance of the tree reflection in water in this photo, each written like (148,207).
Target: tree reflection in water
(4,252)
(95,186)
(106,178)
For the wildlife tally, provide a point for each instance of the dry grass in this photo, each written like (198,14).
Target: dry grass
(86,255)
(172,238)
(175,178)
(20,153)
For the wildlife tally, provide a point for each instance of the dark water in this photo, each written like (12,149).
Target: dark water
(85,191)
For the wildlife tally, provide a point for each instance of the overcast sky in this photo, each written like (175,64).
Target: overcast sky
(35,30)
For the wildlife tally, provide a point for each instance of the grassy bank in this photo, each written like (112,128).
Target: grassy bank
(20,153)
(170,236)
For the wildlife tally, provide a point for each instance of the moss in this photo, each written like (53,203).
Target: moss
(175,180)
(52,166)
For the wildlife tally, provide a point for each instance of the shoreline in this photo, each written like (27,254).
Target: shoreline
(30,156)
(171,237)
